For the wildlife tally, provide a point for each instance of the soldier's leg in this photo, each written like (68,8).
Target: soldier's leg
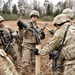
(26,61)
(19,60)
(69,70)
(32,62)
(60,62)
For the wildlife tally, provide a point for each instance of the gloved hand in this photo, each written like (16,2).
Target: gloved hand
(36,51)
(53,54)
(52,32)
(42,35)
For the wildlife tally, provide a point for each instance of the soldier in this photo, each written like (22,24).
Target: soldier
(29,43)
(70,14)
(68,49)
(6,40)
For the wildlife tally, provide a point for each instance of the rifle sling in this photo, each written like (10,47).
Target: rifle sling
(64,38)
(34,33)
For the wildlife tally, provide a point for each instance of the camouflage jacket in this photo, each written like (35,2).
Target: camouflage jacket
(68,49)
(28,35)
(6,31)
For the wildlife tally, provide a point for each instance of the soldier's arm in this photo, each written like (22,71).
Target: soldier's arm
(52,43)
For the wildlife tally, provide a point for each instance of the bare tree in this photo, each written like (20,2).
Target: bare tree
(69,4)
(9,4)
(46,2)
(74,6)
(60,6)
(35,4)
(22,6)
(1,4)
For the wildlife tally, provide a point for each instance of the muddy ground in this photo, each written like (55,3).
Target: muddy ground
(45,62)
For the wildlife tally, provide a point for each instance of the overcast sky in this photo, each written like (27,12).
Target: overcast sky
(41,1)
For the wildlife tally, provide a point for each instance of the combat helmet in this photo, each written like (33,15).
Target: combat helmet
(1,19)
(69,12)
(60,19)
(34,12)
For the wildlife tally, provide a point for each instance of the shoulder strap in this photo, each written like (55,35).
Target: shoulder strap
(34,33)
(32,26)
(60,48)
(65,34)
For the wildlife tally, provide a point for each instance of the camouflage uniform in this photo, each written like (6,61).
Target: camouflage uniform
(68,49)
(29,43)
(6,66)
(70,14)
(6,31)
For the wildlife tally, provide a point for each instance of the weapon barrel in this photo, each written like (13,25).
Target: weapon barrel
(22,24)
(44,26)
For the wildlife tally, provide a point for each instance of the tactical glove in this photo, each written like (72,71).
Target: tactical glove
(36,51)
(52,32)
(42,35)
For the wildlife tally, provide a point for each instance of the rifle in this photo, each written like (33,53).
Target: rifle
(21,24)
(54,55)
(10,40)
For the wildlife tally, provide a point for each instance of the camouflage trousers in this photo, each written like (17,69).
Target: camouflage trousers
(7,68)
(69,70)
(28,60)
(60,68)
(19,59)
(11,51)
